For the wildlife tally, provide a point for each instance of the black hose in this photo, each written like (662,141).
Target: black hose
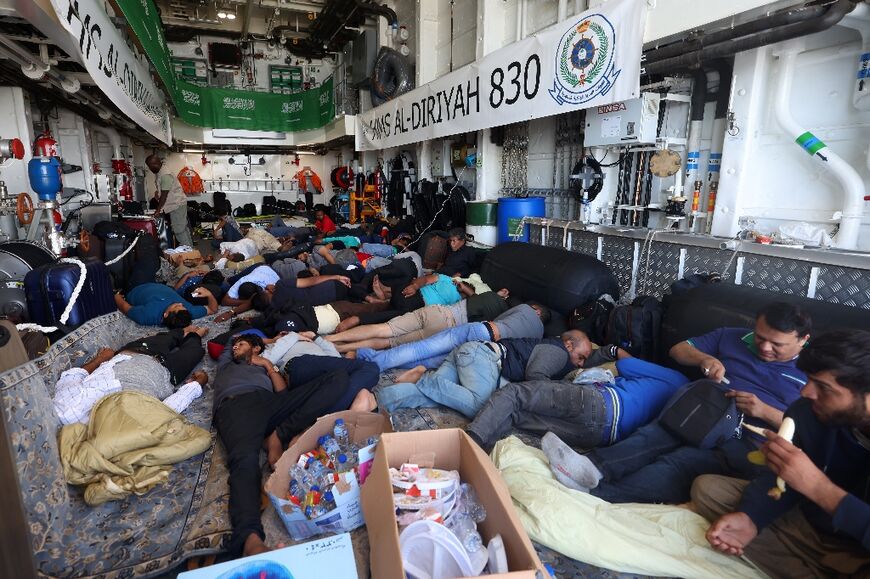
(833,14)
(725,68)
(391,76)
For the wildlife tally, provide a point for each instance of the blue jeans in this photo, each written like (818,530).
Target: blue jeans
(378,249)
(429,351)
(464,382)
(654,466)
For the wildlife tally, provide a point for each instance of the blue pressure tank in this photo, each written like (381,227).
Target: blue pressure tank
(511,211)
(44,174)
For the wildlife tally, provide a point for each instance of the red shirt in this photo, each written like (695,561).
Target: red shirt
(325,225)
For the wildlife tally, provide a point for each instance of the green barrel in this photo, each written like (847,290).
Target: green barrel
(481,213)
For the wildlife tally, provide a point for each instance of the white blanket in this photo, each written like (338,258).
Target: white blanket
(656,540)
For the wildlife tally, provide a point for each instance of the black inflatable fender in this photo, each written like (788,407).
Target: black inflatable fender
(558,278)
(391,76)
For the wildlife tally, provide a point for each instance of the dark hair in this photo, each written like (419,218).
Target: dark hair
(253,340)
(457,232)
(177,319)
(304,273)
(214,277)
(845,353)
(260,302)
(546,314)
(237,257)
(248,290)
(787,318)
(470,287)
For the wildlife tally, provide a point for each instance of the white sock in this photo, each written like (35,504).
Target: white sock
(568,464)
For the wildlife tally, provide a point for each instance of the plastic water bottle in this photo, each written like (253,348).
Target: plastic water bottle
(465,529)
(472,505)
(316,470)
(340,432)
(330,446)
(328,501)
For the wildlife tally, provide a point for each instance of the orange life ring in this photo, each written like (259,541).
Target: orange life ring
(24,208)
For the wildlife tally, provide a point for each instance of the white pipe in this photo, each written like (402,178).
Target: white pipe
(519,32)
(114,139)
(847,177)
(714,164)
(578,6)
(859,20)
(562,13)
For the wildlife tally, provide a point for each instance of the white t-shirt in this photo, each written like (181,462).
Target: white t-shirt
(247,247)
(262,276)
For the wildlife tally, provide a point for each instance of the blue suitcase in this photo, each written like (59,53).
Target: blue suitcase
(50,287)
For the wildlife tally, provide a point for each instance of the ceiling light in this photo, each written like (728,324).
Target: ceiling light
(231,16)
(192,151)
(222,15)
(305,153)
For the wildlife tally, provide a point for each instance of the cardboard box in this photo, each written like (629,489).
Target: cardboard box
(347,515)
(452,450)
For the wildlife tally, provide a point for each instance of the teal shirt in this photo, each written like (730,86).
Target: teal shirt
(441,293)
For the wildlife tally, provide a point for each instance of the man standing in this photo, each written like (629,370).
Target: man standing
(171,200)
(826,473)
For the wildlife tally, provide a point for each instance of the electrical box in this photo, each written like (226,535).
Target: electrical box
(631,122)
(365,50)
(441,156)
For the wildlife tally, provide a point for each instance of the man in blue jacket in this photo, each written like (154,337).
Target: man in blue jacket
(826,472)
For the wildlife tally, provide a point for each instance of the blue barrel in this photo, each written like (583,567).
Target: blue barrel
(44,173)
(511,211)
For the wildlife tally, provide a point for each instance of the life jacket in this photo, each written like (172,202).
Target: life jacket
(302,178)
(191,183)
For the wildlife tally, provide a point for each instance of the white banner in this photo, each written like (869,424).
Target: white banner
(117,71)
(589,60)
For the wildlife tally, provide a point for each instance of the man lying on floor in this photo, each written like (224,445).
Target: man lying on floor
(826,471)
(522,321)
(152,304)
(420,323)
(584,414)
(253,408)
(154,365)
(473,371)
(653,465)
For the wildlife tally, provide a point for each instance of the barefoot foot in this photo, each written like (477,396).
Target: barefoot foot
(254,545)
(411,375)
(274,449)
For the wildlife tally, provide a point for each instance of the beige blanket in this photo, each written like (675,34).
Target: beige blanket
(128,446)
(656,540)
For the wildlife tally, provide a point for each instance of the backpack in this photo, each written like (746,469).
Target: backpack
(701,415)
(636,327)
(591,318)
(692,281)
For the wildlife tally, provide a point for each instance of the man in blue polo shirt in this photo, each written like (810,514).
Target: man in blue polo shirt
(655,466)
(153,304)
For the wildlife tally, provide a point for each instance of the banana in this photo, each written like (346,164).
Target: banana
(786,431)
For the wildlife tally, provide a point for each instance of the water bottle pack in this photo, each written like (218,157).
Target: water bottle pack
(317,471)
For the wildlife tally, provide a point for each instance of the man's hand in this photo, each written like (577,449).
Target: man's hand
(261,361)
(409,290)
(750,405)
(201,332)
(202,292)
(343,279)
(799,472)
(307,336)
(731,533)
(222,317)
(712,368)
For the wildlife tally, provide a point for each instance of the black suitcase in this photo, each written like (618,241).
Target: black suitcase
(116,237)
(50,287)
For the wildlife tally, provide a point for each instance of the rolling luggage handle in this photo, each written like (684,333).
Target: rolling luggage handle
(75,294)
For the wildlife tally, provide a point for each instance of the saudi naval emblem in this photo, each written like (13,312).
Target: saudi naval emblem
(585,63)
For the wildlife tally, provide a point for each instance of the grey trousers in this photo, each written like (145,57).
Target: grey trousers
(180,226)
(574,412)
(789,548)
